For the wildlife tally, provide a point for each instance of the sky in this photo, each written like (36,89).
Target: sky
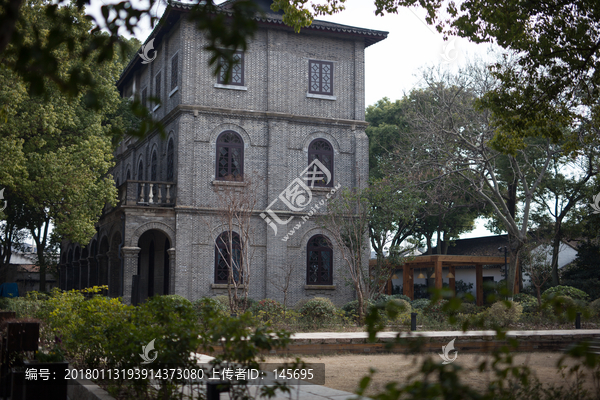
(392,66)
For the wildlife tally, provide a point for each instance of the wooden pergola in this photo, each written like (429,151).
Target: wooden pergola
(440,261)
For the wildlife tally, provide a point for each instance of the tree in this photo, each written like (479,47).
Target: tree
(537,267)
(282,280)
(62,147)
(234,235)
(555,77)
(347,221)
(567,182)
(403,206)
(458,133)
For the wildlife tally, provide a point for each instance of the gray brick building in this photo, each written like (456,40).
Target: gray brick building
(292,99)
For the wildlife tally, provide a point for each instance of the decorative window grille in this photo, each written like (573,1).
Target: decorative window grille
(320,77)
(237,70)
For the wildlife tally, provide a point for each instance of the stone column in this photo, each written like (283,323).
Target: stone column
(130,256)
(76,275)
(171,253)
(83,274)
(92,271)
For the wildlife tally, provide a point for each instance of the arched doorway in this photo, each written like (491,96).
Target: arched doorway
(153,264)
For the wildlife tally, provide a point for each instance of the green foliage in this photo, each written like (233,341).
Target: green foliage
(584,273)
(594,307)
(568,291)
(561,308)
(503,314)
(401,297)
(420,304)
(469,308)
(527,301)
(210,302)
(463,287)
(238,342)
(318,312)
(267,309)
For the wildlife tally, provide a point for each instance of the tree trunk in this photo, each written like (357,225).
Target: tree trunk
(555,251)
(42,262)
(512,265)
(361,314)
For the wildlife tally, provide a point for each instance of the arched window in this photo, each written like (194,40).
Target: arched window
(230,156)
(322,150)
(227,255)
(319,261)
(128,176)
(153,166)
(170,161)
(140,171)
(140,177)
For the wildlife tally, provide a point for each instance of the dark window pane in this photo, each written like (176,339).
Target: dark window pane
(230,156)
(170,161)
(319,269)
(174,71)
(322,150)
(223,252)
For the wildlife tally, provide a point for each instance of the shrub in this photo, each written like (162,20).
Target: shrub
(177,298)
(568,291)
(468,308)
(350,309)
(211,303)
(595,308)
(268,310)
(401,297)
(527,301)
(225,300)
(404,305)
(318,312)
(435,312)
(420,304)
(561,308)
(501,314)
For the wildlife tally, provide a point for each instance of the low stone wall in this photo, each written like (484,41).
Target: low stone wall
(465,342)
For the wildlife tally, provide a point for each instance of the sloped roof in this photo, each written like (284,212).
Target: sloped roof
(269,17)
(481,246)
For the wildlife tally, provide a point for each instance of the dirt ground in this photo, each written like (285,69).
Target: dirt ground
(344,371)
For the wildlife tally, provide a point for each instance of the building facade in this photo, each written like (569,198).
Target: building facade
(293,100)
